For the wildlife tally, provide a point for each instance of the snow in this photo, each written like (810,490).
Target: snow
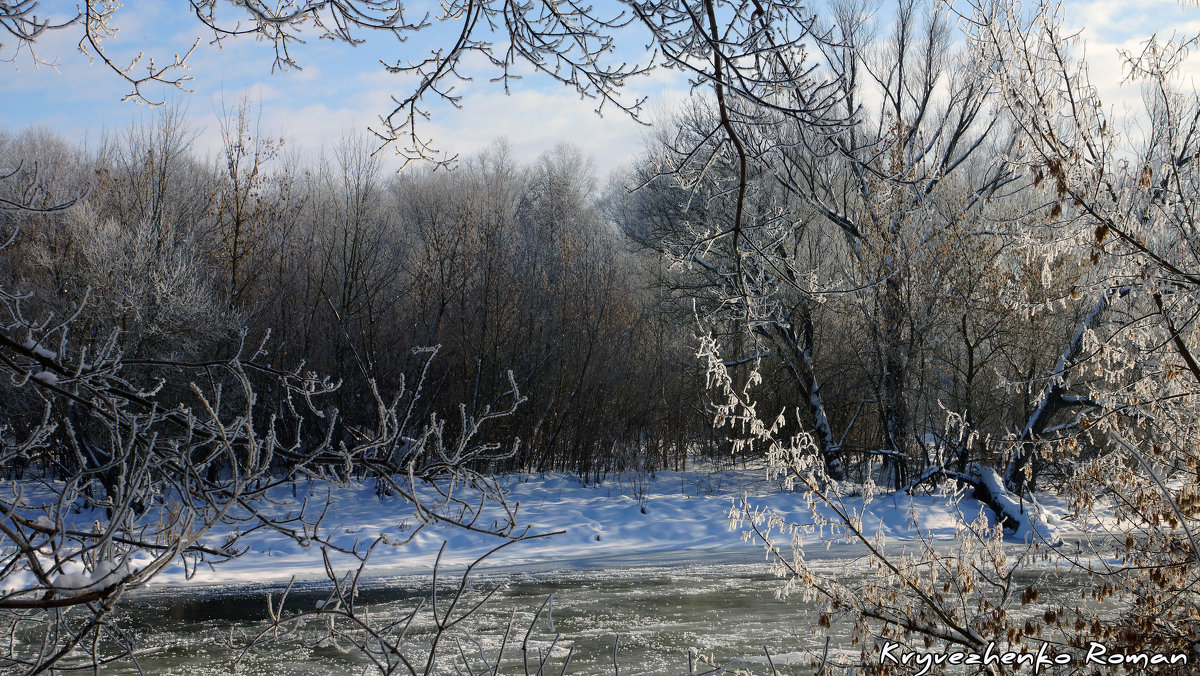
(46,377)
(104,574)
(667,518)
(37,348)
(1029,514)
(685,518)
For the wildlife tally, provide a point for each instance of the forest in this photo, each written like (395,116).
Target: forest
(889,250)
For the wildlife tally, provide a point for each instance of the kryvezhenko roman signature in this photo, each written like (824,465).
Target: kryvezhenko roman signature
(1097,653)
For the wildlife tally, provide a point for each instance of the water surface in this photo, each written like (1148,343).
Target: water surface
(661,618)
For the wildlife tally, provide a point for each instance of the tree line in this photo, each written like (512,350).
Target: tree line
(336,266)
(892,321)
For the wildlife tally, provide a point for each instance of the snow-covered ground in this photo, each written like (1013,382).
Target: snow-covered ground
(662,518)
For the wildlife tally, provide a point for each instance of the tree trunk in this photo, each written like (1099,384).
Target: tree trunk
(1019,475)
(895,409)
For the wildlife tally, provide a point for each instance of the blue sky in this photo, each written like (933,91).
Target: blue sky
(344,89)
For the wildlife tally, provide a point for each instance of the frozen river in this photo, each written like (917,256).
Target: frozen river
(654,614)
(668,582)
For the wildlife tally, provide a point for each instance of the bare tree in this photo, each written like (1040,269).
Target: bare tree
(251,197)
(1127,206)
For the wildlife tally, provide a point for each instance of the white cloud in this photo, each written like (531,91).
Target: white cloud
(342,88)
(1111,28)
(339,88)
(536,120)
